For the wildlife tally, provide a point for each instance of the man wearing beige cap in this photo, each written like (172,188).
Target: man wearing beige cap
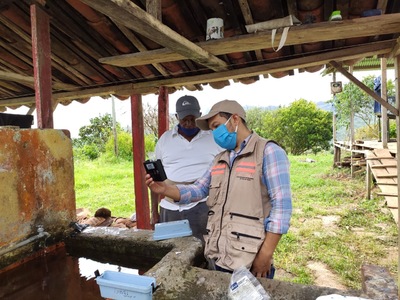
(249,201)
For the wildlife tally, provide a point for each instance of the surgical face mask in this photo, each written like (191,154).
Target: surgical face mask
(224,138)
(190,132)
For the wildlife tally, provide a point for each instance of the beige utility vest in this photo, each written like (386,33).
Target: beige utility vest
(238,205)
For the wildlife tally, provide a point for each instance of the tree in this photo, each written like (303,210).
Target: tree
(254,118)
(93,138)
(150,119)
(352,98)
(303,126)
(297,128)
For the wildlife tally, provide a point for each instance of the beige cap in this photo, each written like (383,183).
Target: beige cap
(227,106)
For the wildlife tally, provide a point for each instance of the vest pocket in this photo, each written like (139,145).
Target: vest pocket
(210,240)
(213,193)
(244,240)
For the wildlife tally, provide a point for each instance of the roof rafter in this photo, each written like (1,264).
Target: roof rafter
(307,33)
(150,87)
(132,16)
(365,88)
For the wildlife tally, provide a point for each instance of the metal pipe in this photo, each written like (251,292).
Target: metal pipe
(41,234)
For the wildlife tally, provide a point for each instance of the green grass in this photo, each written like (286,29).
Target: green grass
(363,230)
(102,184)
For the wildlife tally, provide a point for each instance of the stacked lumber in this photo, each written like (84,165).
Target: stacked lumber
(383,167)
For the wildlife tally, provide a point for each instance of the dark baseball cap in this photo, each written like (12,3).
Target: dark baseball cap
(227,106)
(187,106)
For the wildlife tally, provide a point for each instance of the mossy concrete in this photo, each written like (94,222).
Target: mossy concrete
(179,270)
(37,186)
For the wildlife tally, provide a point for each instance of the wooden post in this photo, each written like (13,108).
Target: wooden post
(163,110)
(335,149)
(141,191)
(351,131)
(41,54)
(384,119)
(368,179)
(163,125)
(114,122)
(397,85)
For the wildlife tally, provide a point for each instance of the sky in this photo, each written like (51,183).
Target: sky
(265,92)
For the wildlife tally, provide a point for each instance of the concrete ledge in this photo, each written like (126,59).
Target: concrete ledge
(378,284)
(177,267)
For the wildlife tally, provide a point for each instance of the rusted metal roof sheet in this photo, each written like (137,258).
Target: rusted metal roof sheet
(102,47)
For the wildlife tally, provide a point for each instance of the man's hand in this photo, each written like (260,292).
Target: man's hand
(160,187)
(261,265)
(157,187)
(263,260)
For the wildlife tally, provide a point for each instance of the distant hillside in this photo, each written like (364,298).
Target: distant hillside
(324,105)
(341,133)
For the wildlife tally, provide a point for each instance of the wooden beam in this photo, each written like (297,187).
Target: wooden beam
(135,18)
(10,76)
(248,19)
(30,80)
(307,33)
(151,87)
(364,87)
(153,7)
(139,45)
(382,4)
(396,49)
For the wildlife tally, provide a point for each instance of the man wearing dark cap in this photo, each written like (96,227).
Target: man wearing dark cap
(248,185)
(186,153)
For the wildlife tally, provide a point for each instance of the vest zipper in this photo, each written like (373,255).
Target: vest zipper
(243,216)
(226,198)
(238,235)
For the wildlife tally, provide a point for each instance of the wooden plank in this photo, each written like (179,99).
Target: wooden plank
(387,183)
(387,176)
(387,194)
(363,87)
(132,16)
(391,202)
(384,166)
(306,33)
(379,157)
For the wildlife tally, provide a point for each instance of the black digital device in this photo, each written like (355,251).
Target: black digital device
(155,169)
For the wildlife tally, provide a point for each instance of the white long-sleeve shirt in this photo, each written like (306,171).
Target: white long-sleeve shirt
(185,161)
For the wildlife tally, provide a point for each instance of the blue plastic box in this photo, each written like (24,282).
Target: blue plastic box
(172,229)
(118,285)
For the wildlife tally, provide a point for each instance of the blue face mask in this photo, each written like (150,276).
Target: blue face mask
(190,132)
(224,138)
